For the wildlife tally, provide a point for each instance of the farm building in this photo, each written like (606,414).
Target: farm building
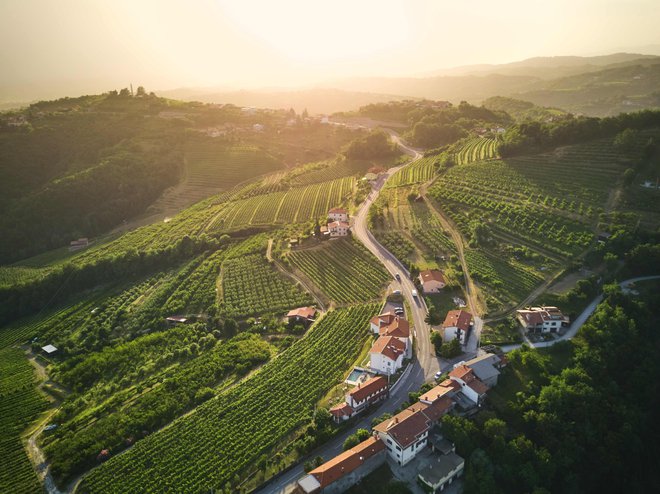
(456,325)
(174,320)
(545,319)
(81,243)
(338,214)
(432,280)
(338,228)
(49,349)
(302,314)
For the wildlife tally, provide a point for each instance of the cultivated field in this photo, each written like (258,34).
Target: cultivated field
(219,443)
(342,269)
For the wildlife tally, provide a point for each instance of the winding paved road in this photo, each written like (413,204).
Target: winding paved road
(419,371)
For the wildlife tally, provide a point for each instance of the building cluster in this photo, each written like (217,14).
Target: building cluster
(393,345)
(338,225)
(544,319)
(402,437)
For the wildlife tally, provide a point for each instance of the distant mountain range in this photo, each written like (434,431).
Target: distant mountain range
(598,86)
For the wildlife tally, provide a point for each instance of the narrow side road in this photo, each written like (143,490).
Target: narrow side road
(581,319)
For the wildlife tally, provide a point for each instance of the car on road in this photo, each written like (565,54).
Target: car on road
(414,293)
(396,292)
(398,276)
(438,374)
(399,311)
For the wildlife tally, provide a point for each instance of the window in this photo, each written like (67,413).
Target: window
(398,448)
(389,441)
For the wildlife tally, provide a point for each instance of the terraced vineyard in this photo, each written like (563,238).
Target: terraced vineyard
(222,440)
(297,205)
(421,170)
(15,275)
(508,281)
(250,285)
(20,404)
(345,271)
(211,167)
(476,149)
(547,201)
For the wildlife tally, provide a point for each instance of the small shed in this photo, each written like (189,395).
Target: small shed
(49,349)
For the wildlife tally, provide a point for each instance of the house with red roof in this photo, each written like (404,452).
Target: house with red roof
(406,434)
(546,319)
(338,214)
(344,470)
(341,412)
(389,324)
(302,314)
(456,325)
(338,228)
(432,280)
(386,355)
(364,394)
(470,385)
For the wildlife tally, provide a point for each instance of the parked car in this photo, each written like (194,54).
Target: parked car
(438,374)
(399,311)
(396,292)
(414,293)
(398,276)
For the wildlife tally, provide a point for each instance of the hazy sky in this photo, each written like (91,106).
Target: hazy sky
(96,45)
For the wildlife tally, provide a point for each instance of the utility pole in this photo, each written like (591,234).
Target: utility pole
(131,89)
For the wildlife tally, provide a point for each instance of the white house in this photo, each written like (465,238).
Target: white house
(406,434)
(545,319)
(338,214)
(456,325)
(470,385)
(485,367)
(388,324)
(338,228)
(386,355)
(371,391)
(432,280)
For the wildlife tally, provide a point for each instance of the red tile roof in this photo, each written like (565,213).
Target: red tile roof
(338,211)
(459,319)
(478,386)
(340,465)
(304,312)
(397,327)
(337,224)
(371,386)
(432,275)
(405,427)
(341,410)
(389,346)
(385,318)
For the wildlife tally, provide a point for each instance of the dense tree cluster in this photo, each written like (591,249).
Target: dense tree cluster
(530,137)
(375,145)
(576,429)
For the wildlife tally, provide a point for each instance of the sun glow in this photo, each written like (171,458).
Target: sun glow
(319,31)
